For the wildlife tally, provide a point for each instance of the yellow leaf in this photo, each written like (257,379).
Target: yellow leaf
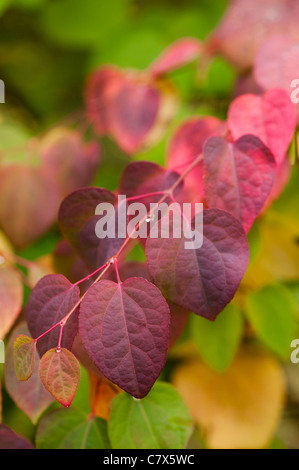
(240,408)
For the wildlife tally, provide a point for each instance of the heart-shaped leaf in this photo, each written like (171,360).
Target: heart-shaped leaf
(30,396)
(71,429)
(271,117)
(133,354)
(202,280)
(60,373)
(24,356)
(11,298)
(239,176)
(50,301)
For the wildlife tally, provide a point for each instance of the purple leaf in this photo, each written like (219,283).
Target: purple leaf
(10,440)
(124,328)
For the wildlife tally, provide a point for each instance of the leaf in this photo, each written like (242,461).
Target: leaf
(101,395)
(178,320)
(60,373)
(202,280)
(187,144)
(247,168)
(237,409)
(71,429)
(271,311)
(50,301)
(70,160)
(29,211)
(176,55)
(270,116)
(218,342)
(78,221)
(30,396)
(24,356)
(133,354)
(246,25)
(10,440)
(276,63)
(158,421)
(11,298)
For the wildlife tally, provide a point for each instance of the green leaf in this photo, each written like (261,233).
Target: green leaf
(71,429)
(217,341)
(60,373)
(24,356)
(271,311)
(158,421)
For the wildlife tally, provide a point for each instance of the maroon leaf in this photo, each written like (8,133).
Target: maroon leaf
(60,373)
(29,199)
(78,221)
(239,176)
(276,64)
(202,280)
(271,117)
(187,144)
(49,302)
(133,354)
(71,161)
(30,396)
(179,53)
(178,320)
(10,440)
(247,24)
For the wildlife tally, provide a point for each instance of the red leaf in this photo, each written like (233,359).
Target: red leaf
(271,117)
(68,159)
(49,302)
(178,320)
(29,200)
(187,144)
(247,24)
(276,64)
(30,396)
(202,280)
(133,354)
(10,440)
(24,356)
(11,298)
(178,54)
(239,176)
(77,221)
(60,373)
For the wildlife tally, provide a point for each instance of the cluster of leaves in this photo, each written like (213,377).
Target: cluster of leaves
(121,318)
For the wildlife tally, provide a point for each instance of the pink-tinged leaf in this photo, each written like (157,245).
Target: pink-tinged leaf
(24,356)
(130,106)
(187,144)
(239,176)
(145,177)
(176,55)
(101,89)
(276,64)
(271,117)
(247,24)
(202,280)
(78,221)
(29,201)
(10,440)
(60,373)
(50,301)
(30,396)
(132,354)
(70,160)
(11,298)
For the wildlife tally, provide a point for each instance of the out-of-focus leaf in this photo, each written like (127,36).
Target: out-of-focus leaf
(24,349)
(10,440)
(71,429)
(271,311)
(101,395)
(218,342)
(158,421)
(240,408)
(11,298)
